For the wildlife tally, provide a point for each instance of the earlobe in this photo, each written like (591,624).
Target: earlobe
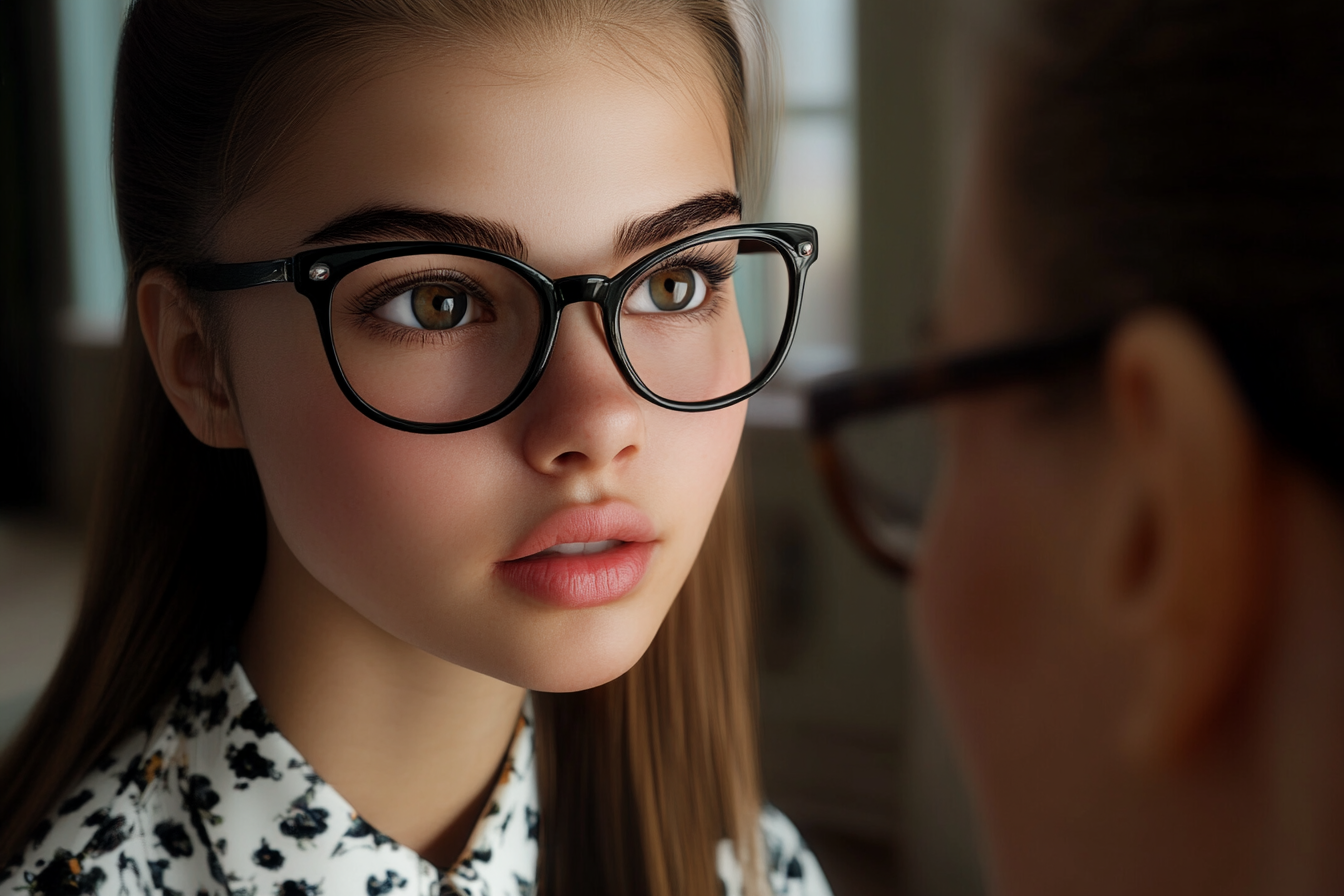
(187,368)
(1189,585)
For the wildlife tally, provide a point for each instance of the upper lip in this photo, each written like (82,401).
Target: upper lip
(610,521)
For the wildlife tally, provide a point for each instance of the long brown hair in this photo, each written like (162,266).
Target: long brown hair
(639,778)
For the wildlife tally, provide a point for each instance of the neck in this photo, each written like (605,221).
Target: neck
(412,741)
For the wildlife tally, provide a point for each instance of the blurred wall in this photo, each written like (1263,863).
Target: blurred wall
(32,262)
(853,747)
(56,372)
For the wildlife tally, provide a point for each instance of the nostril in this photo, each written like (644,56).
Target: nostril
(570,458)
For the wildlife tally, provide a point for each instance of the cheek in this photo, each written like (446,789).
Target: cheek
(975,578)
(339,485)
(684,465)
(359,503)
(1003,620)
(992,597)
(680,370)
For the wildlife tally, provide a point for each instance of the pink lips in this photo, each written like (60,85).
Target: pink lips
(582,580)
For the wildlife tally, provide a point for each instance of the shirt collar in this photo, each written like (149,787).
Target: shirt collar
(274,820)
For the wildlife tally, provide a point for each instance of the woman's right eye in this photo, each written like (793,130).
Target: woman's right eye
(432,306)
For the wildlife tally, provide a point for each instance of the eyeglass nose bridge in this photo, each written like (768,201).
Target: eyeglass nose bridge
(582,288)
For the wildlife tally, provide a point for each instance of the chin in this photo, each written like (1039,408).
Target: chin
(577,661)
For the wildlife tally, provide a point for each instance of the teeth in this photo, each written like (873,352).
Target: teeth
(581,547)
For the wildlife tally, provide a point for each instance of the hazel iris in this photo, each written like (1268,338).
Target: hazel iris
(673,289)
(440,306)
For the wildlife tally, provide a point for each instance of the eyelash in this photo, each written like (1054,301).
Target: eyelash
(716,272)
(383,293)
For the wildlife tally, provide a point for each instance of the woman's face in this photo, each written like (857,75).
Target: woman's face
(425,535)
(1025,673)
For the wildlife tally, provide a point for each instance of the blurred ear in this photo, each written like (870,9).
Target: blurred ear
(189,371)
(1188,585)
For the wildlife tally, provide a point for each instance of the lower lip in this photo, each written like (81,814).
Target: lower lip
(576,581)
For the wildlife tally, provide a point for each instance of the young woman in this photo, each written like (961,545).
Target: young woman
(1130,584)
(443,318)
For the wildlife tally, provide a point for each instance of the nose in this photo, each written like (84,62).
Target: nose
(582,417)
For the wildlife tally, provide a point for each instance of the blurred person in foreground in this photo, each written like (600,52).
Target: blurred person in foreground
(1128,574)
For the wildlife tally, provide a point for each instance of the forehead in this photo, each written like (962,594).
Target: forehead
(563,152)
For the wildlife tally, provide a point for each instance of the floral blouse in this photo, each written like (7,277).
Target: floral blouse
(214,800)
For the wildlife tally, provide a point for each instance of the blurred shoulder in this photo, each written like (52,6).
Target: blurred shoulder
(791,868)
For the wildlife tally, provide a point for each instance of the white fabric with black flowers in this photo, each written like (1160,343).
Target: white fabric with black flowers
(214,800)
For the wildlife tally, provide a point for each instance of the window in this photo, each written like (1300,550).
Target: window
(814,183)
(87,35)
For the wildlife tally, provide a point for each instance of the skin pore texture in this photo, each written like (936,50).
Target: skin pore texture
(1132,615)
(383,643)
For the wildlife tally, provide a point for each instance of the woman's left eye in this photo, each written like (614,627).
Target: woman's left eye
(432,306)
(671,289)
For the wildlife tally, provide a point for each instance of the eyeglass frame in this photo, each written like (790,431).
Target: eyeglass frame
(315,274)
(846,396)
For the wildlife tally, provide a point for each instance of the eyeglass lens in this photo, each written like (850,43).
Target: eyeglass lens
(889,464)
(439,338)
(705,323)
(434,338)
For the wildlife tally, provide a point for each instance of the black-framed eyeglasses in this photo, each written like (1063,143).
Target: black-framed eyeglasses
(435,337)
(873,439)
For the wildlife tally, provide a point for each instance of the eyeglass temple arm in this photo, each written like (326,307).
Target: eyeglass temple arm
(858,394)
(224,277)
(849,395)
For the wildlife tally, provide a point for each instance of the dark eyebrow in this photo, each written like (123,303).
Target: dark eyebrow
(661,227)
(397,223)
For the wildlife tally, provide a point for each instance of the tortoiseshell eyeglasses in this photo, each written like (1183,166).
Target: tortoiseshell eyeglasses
(873,439)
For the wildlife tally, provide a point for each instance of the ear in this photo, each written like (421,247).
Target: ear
(1189,582)
(189,371)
